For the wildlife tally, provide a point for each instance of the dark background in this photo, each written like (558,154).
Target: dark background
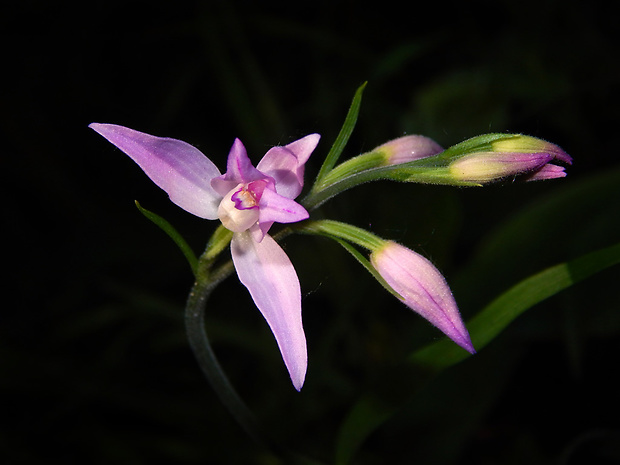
(94,365)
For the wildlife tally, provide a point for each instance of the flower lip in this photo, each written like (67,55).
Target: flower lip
(244,199)
(248,196)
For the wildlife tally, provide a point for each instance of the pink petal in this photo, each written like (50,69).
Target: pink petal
(266,271)
(175,166)
(286,164)
(275,208)
(549,171)
(239,170)
(280,209)
(423,289)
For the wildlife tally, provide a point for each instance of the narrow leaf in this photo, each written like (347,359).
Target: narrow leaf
(173,234)
(343,136)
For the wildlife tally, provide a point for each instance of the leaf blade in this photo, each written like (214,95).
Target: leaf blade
(173,234)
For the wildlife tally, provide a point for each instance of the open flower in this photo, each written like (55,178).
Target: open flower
(422,288)
(247,200)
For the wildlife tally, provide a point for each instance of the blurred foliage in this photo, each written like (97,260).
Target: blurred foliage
(94,366)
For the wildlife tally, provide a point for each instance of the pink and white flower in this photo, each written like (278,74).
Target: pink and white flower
(247,200)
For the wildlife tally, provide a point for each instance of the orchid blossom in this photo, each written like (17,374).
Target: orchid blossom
(247,200)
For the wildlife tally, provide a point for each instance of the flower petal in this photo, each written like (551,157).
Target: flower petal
(286,164)
(266,271)
(549,171)
(423,289)
(239,170)
(280,209)
(175,166)
(275,208)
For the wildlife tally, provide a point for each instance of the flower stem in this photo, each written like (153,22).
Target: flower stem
(210,366)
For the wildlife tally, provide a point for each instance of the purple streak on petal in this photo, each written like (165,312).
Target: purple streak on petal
(266,271)
(175,166)
(239,170)
(286,164)
(521,162)
(423,289)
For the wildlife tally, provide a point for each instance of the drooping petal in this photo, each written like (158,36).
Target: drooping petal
(286,164)
(280,209)
(266,271)
(423,289)
(239,170)
(175,166)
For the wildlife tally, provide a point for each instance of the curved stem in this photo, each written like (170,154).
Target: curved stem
(210,366)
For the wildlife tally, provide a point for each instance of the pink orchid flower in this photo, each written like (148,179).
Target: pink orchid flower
(247,200)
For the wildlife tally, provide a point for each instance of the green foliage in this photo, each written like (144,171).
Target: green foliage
(173,234)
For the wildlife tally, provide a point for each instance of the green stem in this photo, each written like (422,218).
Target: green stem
(339,230)
(199,342)
(423,171)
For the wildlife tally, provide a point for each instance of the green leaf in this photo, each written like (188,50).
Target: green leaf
(173,234)
(343,136)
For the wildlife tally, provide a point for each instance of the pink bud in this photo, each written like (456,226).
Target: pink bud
(422,288)
(408,148)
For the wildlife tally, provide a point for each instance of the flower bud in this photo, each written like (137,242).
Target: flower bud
(408,148)
(510,156)
(422,288)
